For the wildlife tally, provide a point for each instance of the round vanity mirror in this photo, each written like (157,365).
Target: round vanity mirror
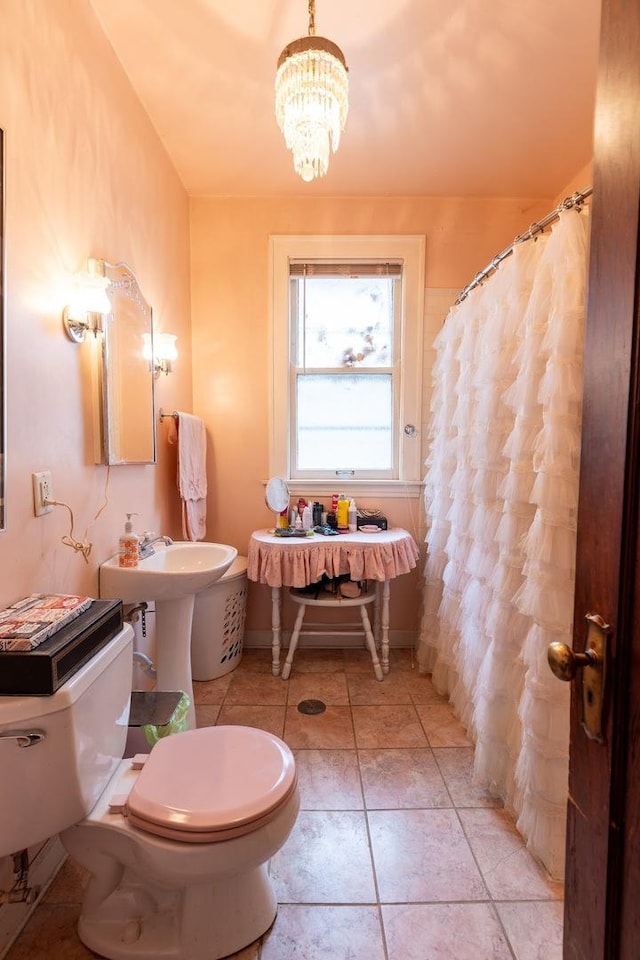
(277,494)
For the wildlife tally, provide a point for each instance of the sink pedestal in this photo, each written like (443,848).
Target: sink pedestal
(173,646)
(170,577)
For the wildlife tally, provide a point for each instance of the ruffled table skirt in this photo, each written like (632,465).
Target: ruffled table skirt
(297,562)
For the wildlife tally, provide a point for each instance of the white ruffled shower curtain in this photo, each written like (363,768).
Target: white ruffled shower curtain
(501,502)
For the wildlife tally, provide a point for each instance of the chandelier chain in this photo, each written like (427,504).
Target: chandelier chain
(312,18)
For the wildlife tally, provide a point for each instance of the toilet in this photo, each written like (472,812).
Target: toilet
(176,843)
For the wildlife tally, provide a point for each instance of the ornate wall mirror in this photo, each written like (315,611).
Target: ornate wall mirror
(3,406)
(127,395)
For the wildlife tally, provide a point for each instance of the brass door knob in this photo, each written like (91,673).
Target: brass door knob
(565,662)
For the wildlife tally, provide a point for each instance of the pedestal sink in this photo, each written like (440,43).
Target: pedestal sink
(170,577)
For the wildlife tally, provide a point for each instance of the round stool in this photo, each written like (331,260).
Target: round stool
(305,600)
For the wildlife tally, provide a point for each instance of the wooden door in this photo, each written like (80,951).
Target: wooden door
(603,856)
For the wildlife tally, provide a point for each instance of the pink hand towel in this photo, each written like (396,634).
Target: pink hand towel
(190,433)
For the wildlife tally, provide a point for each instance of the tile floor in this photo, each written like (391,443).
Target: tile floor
(395,854)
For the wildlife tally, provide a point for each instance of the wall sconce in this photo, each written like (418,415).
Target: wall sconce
(88,303)
(164,352)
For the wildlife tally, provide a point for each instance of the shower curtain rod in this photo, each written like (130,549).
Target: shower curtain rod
(575,200)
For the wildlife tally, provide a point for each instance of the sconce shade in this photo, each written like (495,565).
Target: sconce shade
(89,301)
(165,346)
(312,100)
(164,352)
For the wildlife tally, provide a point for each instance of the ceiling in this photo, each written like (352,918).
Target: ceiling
(447,97)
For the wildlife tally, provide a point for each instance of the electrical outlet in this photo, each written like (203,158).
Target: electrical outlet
(42,491)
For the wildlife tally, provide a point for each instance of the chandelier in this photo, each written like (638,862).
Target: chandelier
(312,100)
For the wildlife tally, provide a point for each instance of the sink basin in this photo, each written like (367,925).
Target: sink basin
(170,577)
(179,570)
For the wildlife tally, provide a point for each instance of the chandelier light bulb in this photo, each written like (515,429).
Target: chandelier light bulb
(312,100)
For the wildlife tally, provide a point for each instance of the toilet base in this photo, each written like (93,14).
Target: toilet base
(143,922)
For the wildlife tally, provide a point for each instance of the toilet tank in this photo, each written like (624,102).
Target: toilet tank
(56,781)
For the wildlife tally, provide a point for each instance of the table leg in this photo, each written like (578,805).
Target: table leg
(377,606)
(275,630)
(385,626)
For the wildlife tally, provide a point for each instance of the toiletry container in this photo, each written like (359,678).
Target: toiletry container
(353,516)
(342,513)
(217,632)
(128,545)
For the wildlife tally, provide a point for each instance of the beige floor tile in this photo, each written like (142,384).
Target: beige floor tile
(255,660)
(422,689)
(367,691)
(325,860)
(396,779)
(328,780)
(441,726)
(388,726)
(357,661)
(509,870)
(211,691)
(51,934)
(534,929)
(401,660)
(456,767)
(266,718)
(444,931)
(423,856)
(207,714)
(332,730)
(256,689)
(330,688)
(68,885)
(316,661)
(324,933)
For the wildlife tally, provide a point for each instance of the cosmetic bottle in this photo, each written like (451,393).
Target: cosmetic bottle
(353,516)
(307,518)
(128,545)
(342,513)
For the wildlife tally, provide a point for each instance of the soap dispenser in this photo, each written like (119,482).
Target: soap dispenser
(128,552)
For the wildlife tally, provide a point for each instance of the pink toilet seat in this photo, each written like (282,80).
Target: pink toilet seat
(212,784)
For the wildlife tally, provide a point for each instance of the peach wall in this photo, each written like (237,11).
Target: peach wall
(230,309)
(86,175)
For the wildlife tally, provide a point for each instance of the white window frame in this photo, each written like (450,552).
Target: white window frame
(411,251)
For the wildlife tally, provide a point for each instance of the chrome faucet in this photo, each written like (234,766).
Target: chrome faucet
(146,542)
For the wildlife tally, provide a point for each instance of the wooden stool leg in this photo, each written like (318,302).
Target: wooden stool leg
(275,630)
(371,643)
(293,643)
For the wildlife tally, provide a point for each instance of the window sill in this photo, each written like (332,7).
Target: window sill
(387,489)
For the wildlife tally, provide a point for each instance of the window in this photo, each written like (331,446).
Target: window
(347,349)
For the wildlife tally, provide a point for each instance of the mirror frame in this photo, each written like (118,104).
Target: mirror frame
(123,284)
(277,495)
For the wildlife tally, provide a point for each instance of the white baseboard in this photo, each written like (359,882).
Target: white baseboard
(262,638)
(14,916)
